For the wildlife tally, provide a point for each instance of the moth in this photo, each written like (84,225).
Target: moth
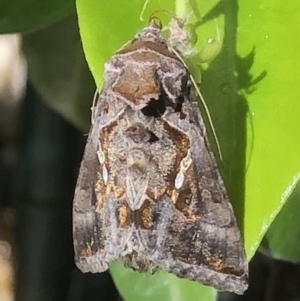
(149,192)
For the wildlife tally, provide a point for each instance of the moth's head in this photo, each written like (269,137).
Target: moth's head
(151,33)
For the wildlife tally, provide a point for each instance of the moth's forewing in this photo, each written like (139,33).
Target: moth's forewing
(85,219)
(205,243)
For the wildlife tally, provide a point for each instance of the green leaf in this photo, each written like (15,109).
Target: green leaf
(252,92)
(273,158)
(163,286)
(27,15)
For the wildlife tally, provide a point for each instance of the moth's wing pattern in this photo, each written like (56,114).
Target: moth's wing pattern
(85,237)
(207,248)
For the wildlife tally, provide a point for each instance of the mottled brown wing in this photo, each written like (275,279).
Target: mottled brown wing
(86,222)
(205,246)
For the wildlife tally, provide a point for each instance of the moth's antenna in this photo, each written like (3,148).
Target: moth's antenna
(155,18)
(143,9)
(204,105)
(166,11)
(208,116)
(195,9)
(95,99)
(181,23)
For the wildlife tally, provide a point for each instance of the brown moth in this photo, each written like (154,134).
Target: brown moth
(149,192)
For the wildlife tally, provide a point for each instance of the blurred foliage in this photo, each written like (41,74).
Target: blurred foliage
(29,15)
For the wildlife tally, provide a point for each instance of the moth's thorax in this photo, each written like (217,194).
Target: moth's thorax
(139,71)
(151,33)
